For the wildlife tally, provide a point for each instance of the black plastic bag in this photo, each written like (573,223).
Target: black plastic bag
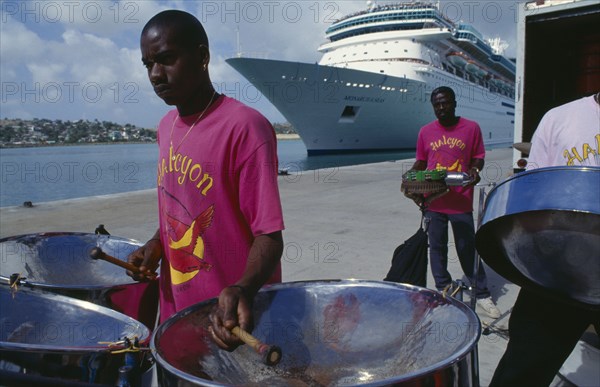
(409,263)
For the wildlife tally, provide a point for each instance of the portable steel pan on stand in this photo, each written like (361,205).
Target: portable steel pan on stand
(541,230)
(60,262)
(331,333)
(49,339)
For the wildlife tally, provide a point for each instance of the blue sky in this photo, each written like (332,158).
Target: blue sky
(75,60)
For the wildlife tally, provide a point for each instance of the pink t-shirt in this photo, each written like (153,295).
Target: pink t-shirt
(451,148)
(217,190)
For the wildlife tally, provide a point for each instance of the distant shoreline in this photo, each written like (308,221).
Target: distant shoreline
(290,136)
(11,146)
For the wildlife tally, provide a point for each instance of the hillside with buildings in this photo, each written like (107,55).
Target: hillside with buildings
(37,132)
(42,132)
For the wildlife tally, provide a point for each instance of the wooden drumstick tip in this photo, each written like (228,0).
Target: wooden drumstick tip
(96,253)
(271,354)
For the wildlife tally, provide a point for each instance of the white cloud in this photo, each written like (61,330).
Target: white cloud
(46,72)
(23,44)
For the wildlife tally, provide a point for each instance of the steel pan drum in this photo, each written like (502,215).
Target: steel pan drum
(332,333)
(60,263)
(54,336)
(541,230)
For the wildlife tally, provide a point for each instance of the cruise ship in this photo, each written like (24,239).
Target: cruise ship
(371,89)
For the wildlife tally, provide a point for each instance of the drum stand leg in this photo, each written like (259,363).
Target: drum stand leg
(473,301)
(457,292)
(469,369)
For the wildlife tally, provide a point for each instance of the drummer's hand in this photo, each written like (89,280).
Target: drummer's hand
(419,199)
(233,309)
(146,258)
(474,175)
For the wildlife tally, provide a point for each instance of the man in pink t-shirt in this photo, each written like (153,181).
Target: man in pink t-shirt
(220,215)
(454,144)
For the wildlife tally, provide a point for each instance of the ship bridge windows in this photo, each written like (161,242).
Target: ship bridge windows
(349,114)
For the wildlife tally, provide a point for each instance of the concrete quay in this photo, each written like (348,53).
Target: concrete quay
(340,223)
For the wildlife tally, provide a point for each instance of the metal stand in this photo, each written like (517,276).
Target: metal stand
(473,301)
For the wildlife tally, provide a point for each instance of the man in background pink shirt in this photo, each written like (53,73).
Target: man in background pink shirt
(454,144)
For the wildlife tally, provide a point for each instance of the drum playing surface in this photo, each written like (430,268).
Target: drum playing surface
(56,336)
(331,333)
(541,230)
(60,262)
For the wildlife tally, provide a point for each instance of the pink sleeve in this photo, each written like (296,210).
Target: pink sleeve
(259,191)
(421,150)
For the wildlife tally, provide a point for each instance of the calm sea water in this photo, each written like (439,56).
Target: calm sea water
(55,173)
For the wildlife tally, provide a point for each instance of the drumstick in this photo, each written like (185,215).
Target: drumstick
(97,253)
(271,354)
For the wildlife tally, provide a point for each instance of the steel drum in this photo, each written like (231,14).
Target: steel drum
(52,336)
(541,230)
(332,333)
(60,263)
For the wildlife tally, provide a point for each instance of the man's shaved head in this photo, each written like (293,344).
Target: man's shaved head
(185,26)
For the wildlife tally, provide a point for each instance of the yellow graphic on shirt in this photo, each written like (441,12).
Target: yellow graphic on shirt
(456,167)
(572,155)
(185,171)
(448,142)
(188,258)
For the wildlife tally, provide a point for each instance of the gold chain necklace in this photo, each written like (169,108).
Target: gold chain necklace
(191,127)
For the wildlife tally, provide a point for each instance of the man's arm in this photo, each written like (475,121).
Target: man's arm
(475,170)
(263,259)
(234,307)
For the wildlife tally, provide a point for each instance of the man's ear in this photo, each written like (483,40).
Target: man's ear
(204,56)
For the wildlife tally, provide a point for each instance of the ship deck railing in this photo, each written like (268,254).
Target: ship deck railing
(389,7)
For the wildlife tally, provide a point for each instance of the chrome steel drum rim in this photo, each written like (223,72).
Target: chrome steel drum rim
(567,205)
(60,262)
(540,229)
(456,357)
(77,252)
(49,337)
(134,327)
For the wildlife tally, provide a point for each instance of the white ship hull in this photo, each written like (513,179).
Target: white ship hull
(337,109)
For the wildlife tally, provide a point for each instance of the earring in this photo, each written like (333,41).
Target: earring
(204,67)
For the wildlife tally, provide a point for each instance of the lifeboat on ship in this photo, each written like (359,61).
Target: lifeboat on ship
(458,59)
(496,81)
(481,72)
(471,67)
